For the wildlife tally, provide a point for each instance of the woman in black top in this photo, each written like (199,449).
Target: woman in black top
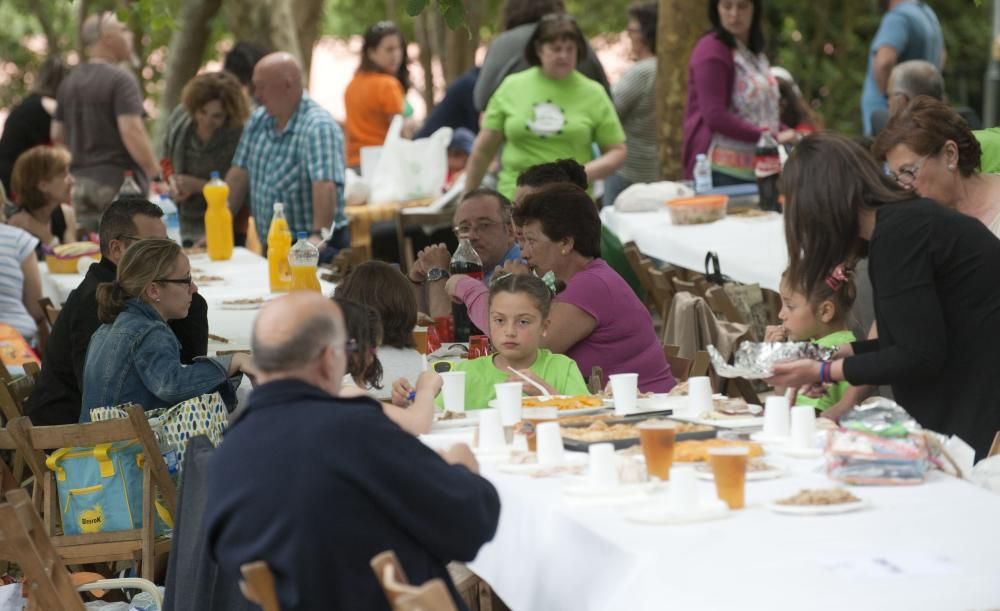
(934,278)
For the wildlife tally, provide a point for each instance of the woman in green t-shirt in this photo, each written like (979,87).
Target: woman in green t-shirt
(519,318)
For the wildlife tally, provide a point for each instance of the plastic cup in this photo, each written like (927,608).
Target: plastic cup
(420,339)
(657,440)
(533,417)
(491,435)
(682,496)
(699,397)
(453,390)
(775,417)
(729,467)
(509,401)
(625,388)
(549,444)
(603,468)
(803,426)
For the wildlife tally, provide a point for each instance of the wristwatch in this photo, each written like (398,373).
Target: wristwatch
(437,273)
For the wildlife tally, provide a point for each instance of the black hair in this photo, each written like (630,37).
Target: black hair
(372,38)
(364,327)
(756,42)
(564,211)
(527,284)
(646,14)
(117,220)
(563,170)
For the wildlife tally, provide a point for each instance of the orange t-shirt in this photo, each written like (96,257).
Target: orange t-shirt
(371,99)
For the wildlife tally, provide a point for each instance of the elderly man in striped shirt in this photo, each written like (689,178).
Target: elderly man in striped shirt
(291,151)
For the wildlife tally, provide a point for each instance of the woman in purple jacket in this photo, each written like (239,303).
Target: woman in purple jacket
(732,95)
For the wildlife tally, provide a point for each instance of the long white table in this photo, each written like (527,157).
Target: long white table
(932,546)
(245,275)
(751,249)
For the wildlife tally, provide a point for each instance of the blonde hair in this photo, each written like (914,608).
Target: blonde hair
(36,164)
(144,262)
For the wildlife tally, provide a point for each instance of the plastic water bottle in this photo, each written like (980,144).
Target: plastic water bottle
(169,450)
(170,218)
(702,174)
(143,601)
(303,259)
(129,186)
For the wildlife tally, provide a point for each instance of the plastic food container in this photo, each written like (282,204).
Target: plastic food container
(67,257)
(698,209)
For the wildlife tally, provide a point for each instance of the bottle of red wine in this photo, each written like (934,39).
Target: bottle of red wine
(767,169)
(465,261)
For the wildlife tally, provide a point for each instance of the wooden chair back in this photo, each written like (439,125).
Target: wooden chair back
(34,441)
(679,366)
(51,311)
(405,597)
(662,288)
(16,465)
(640,265)
(23,538)
(723,305)
(698,286)
(995,448)
(257,585)
(14,393)
(700,364)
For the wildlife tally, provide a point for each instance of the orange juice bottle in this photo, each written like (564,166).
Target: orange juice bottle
(303,259)
(218,219)
(279,241)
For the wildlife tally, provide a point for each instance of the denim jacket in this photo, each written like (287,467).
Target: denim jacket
(138,359)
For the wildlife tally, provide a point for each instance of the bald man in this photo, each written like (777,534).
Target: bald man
(99,119)
(316,485)
(291,151)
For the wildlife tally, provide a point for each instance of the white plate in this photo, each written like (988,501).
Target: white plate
(471,419)
(567,412)
(240,306)
(588,491)
(570,459)
(709,509)
(752,476)
(800,452)
(760,437)
(817,510)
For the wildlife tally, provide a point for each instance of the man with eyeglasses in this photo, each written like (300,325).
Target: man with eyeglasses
(58,393)
(484,217)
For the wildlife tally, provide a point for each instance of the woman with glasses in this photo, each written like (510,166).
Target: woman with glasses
(134,356)
(931,151)
(934,277)
(547,112)
(377,91)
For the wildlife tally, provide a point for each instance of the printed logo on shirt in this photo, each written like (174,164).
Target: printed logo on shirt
(549,119)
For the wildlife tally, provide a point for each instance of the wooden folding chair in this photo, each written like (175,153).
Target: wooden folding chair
(698,286)
(995,448)
(723,305)
(16,465)
(404,597)
(679,366)
(640,265)
(700,364)
(135,544)
(257,585)
(51,311)
(14,393)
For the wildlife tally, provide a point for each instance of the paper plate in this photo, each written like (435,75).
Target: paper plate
(471,419)
(571,459)
(751,476)
(817,510)
(709,509)
(240,306)
(585,490)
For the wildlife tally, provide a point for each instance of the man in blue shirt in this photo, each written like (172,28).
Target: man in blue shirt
(291,151)
(909,30)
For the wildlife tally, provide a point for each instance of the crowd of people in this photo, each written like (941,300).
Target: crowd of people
(340,379)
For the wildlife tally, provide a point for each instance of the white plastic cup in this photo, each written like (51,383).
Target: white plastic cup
(699,397)
(549,444)
(509,402)
(453,390)
(491,435)
(625,388)
(776,417)
(603,467)
(803,426)
(682,494)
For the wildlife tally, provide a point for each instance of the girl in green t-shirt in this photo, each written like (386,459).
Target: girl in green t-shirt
(820,318)
(519,317)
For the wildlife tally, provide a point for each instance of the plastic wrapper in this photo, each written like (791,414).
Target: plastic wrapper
(880,416)
(862,458)
(755,360)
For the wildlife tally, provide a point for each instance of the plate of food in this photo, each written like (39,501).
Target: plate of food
(757,469)
(621,432)
(454,420)
(568,405)
(526,463)
(247,303)
(818,502)
(696,450)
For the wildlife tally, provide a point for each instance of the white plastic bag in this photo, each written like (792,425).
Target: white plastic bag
(649,197)
(410,169)
(10,598)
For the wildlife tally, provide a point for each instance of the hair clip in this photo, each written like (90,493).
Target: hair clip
(497,277)
(549,279)
(837,278)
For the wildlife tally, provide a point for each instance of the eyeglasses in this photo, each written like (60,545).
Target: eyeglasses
(188,281)
(908,174)
(467,228)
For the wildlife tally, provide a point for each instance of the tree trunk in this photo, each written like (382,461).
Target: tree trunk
(45,20)
(186,51)
(82,9)
(423,31)
(461,44)
(308,18)
(268,23)
(681,23)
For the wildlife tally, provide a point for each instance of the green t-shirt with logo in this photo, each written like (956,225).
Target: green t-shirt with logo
(558,370)
(543,120)
(836,390)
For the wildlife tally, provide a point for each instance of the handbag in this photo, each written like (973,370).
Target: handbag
(100,488)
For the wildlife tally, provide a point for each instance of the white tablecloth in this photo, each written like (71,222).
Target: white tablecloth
(932,546)
(751,249)
(245,276)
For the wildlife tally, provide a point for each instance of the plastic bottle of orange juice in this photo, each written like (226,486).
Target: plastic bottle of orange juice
(279,241)
(303,259)
(218,219)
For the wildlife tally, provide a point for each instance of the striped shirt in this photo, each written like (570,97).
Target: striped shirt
(15,246)
(283,166)
(635,100)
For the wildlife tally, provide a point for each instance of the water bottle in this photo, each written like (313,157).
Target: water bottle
(702,174)
(170,218)
(767,169)
(129,186)
(465,261)
(303,259)
(143,601)
(169,450)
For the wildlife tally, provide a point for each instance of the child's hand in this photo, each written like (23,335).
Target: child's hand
(429,382)
(401,390)
(530,390)
(775,333)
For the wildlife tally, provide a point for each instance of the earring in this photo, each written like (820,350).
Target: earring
(564,252)
(951,167)
(157,300)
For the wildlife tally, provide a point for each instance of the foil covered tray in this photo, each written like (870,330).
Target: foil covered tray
(755,360)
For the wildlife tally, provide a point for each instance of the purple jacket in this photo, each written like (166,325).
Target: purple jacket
(711,77)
